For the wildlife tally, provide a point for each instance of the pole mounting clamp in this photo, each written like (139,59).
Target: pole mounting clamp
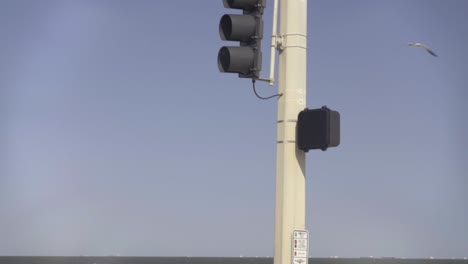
(279,43)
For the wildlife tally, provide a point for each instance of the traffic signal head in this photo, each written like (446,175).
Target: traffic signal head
(240,4)
(237,27)
(318,129)
(247,28)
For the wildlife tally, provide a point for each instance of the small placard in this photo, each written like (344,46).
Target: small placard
(300,246)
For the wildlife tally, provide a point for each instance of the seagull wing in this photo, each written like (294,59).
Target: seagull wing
(430,51)
(420,45)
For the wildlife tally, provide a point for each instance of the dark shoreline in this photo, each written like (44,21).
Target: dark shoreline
(209,260)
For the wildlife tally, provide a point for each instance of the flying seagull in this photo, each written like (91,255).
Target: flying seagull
(420,45)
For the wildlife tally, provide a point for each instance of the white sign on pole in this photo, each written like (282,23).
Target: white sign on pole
(300,246)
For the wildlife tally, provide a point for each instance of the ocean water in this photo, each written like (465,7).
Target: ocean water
(212,260)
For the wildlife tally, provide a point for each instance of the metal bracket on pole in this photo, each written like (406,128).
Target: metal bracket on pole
(280,43)
(277,44)
(263,80)
(274,43)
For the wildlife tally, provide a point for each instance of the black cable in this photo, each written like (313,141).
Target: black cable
(263,98)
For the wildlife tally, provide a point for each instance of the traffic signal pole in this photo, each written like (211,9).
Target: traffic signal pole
(245,59)
(290,161)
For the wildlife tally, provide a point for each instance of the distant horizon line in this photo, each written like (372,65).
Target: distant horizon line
(240,256)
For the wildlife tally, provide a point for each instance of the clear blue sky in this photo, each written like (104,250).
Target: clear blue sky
(118,135)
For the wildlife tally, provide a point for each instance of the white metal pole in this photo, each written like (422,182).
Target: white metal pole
(290,161)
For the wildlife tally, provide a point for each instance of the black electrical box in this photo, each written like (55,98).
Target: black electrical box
(318,129)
